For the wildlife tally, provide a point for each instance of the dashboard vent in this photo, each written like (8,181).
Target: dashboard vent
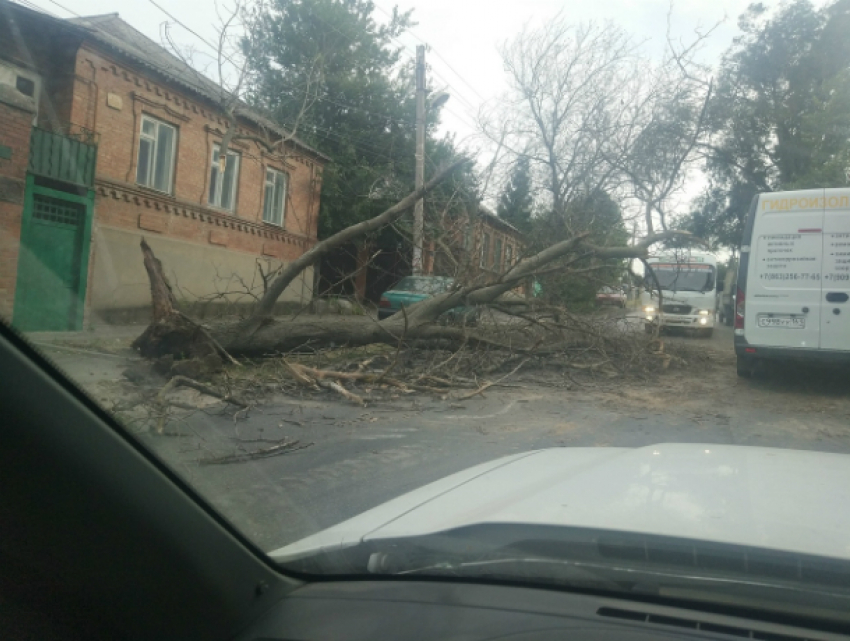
(692,624)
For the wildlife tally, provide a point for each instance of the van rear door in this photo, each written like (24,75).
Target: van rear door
(783,297)
(835,320)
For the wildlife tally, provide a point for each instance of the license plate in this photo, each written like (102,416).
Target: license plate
(782,321)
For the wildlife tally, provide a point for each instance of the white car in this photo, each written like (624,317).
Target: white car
(707,519)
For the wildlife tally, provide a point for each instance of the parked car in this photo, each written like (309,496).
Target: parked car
(611,296)
(412,289)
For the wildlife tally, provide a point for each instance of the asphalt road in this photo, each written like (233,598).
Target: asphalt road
(361,457)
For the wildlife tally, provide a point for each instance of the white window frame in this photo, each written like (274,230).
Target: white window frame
(154,141)
(509,255)
(485,249)
(498,248)
(215,191)
(270,182)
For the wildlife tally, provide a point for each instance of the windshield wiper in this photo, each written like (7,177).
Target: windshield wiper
(617,577)
(575,574)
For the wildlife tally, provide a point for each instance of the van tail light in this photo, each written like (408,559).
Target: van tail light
(383,302)
(740,308)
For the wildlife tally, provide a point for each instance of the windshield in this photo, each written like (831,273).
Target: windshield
(683,277)
(229,226)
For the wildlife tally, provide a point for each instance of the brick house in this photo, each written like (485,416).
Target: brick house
(469,248)
(475,248)
(106,138)
(498,244)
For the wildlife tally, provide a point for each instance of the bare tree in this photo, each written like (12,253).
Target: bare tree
(594,114)
(225,77)
(657,133)
(563,81)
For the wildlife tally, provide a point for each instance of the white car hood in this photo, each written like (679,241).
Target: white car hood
(771,498)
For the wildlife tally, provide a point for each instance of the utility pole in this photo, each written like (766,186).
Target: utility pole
(418,216)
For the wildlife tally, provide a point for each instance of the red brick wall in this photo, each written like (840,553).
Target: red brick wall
(110,98)
(15,126)
(467,243)
(497,233)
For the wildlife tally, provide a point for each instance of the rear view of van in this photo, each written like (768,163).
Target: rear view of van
(794,279)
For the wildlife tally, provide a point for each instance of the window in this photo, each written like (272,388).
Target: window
(223,183)
(485,249)
(274,199)
(25,86)
(156,154)
(497,255)
(509,255)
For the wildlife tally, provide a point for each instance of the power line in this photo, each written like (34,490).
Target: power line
(35,7)
(458,75)
(328,135)
(350,40)
(327,100)
(437,53)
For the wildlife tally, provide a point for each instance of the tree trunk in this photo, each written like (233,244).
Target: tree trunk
(281,336)
(170,332)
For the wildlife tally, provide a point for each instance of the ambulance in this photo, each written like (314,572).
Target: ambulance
(794,279)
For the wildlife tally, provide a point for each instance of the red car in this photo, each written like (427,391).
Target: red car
(611,296)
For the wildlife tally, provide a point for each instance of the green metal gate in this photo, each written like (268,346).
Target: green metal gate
(53,260)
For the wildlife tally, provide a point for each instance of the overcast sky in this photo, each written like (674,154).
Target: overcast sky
(463,35)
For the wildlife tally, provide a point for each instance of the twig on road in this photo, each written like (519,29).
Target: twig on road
(489,385)
(284,447)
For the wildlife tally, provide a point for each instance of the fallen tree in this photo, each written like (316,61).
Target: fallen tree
(171,333)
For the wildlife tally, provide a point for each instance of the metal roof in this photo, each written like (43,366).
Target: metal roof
(493,218)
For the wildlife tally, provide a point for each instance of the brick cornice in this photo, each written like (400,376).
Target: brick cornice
(106,188)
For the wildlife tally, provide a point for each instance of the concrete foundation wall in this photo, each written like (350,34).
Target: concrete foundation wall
(120,290)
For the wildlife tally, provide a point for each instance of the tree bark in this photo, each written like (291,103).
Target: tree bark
(169,332)
(281,336)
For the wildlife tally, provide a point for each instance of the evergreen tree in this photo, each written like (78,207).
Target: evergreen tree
(516,202)
(781,112)
(331,69)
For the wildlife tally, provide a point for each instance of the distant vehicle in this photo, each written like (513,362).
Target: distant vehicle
(611,296)
(794,279)
(412,289)
(686,279)
(726,296)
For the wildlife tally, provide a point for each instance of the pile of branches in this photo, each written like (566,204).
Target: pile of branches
(511,347)
(536,346)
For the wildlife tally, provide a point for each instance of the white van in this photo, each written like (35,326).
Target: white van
(794,278)
(688,299)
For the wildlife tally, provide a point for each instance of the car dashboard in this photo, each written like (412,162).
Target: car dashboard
(423,610)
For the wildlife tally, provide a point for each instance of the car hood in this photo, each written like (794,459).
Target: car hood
(788,500)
